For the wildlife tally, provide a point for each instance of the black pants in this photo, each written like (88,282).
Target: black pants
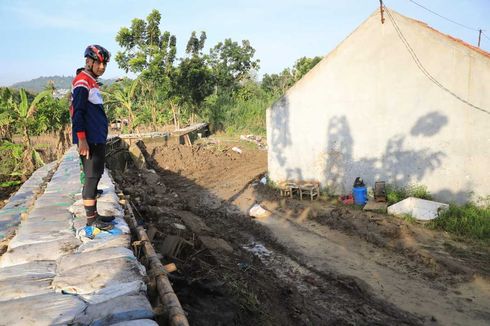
(93,168)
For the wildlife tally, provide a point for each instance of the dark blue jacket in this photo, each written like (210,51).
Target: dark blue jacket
(87,110)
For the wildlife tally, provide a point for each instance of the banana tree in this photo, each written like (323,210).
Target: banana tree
(6,123)
(125,98)
(23,115)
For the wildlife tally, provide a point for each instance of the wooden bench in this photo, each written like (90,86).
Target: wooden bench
(288,188)
(311,189)
(304,188)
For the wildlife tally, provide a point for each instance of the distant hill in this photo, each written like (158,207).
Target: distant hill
(60,82)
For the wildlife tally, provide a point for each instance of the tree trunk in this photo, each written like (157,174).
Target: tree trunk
(176,115)
(62,143)
(154,117)
(28,157)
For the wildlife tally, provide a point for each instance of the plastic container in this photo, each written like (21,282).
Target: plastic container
(360,195)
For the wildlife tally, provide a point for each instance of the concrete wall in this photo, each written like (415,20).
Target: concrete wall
(367,110)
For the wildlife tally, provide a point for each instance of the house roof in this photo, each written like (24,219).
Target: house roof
(452,38)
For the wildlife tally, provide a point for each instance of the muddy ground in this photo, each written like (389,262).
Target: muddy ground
(307,263)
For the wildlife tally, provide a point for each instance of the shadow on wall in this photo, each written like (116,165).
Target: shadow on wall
(280,137)
(398,165)
(429,124)
(339,152)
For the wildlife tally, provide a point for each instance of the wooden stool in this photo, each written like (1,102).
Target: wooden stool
(288,189)
(310,189)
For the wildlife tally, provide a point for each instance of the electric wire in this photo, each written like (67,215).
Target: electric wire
(450,20)
(422,68)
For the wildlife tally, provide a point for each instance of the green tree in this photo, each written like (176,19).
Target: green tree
(147,49)
(53,116)
(303,65)
(278,84)
(7,125)
(193,80)
(232,63)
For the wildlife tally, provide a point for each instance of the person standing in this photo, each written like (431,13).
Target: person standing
(89,131)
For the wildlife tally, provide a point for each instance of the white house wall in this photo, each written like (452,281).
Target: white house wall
(367,110)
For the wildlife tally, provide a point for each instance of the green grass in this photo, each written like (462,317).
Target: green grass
(7,184)
(467,221)
(408,218)
(395,194)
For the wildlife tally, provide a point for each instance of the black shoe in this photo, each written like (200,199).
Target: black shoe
(104,226)
(99,193)
(105,219)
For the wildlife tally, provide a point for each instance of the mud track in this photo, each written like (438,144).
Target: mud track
(308,263)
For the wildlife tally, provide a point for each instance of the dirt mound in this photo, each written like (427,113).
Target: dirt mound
(217,168)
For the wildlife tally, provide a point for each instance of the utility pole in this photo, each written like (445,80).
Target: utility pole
(479,37)
(382,11)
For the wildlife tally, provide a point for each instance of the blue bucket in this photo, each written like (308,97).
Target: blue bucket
(360,195)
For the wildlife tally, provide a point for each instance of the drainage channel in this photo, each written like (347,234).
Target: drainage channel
(51,274)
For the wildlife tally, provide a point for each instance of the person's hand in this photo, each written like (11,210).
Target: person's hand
(83,148)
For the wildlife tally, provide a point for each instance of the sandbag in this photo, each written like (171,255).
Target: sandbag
(24,286)
(51,250)
(38,268)
(117,310)
(27,237)
(75,260)
(45,309)
(123,240)
(88,280)
(138,322)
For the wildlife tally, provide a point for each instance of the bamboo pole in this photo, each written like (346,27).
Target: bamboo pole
(171,305)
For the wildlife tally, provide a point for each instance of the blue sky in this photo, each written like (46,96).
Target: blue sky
(45,38)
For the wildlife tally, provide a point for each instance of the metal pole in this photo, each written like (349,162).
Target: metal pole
(479,37)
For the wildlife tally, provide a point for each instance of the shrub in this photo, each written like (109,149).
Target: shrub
(395,194)
(469,221)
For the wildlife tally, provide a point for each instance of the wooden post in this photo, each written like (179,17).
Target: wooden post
(171,304)
(381,11)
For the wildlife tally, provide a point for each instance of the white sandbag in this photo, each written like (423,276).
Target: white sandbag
(113,291)
(46,309)
(107,196)
(110,209)
(117,310)
(138,322)
(26,238)
(75,260)
(38,268)
(123,240)
(51,250)
(258,211)
(24,286)
(8,220)
(92,278)
(121,224)
(47,226)
(103,208)
(48,212)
